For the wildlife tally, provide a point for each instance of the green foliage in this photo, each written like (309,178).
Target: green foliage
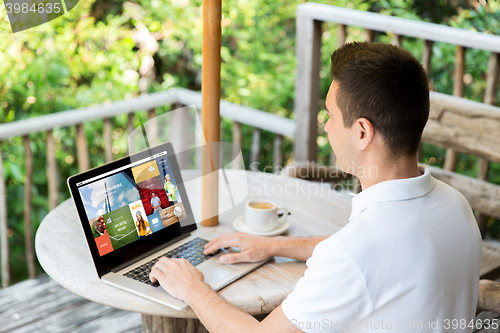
(94,54)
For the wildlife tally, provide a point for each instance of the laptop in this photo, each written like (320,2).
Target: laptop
(135,210)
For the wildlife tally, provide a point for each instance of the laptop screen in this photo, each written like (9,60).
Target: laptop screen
(132,202)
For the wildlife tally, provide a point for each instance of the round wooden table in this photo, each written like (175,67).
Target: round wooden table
(315,209)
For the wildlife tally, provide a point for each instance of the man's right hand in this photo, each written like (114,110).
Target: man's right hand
(253,248)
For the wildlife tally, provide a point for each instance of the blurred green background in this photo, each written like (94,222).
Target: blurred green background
(94,53)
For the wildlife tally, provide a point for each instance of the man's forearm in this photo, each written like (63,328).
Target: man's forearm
(218,315)
(300,248)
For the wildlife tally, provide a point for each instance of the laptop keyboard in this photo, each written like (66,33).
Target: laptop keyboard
(192,251)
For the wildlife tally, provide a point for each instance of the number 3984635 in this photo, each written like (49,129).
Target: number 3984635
(33,8)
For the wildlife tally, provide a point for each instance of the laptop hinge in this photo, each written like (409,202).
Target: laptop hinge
(150,252)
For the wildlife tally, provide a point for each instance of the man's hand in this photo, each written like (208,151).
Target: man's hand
(253,248)
(256,248)
(179,278)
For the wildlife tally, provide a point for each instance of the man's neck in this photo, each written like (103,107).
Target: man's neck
(375,173)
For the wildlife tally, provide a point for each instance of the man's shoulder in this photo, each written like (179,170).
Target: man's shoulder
(385,222)
(448,193)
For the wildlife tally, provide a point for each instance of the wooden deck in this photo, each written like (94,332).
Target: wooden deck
(42,305)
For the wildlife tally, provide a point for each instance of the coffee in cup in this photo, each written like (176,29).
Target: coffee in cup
(261,205)
(262,215)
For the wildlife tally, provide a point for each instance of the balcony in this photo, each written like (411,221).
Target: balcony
(457,124)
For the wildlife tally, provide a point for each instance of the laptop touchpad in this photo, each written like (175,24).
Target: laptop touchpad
(216,273)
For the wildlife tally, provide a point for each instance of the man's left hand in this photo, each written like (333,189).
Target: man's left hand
(178,277)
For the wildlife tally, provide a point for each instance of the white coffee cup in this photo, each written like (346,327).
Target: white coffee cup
(262,215)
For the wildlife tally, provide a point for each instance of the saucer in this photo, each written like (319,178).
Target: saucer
(240,225)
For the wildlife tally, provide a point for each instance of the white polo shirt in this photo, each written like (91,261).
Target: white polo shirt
(408,260)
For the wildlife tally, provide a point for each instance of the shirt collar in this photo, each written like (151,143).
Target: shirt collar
(394,190)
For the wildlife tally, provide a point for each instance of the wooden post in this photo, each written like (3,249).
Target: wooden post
(255,149)
(28,238)
(108,141)
(426,63)
(426,59)
(53,188)
(4,239)
(490,97)
(82,149)
(450,162)
(369,35)
(210,110)
(237,144)
(458,78)
(396,39)
(152,130)
(492,79)
(130,123)
(308,49)
(156,324)
(180,135)
(277,154)
(341,34)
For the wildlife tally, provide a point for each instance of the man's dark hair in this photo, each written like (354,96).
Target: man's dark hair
(386,85)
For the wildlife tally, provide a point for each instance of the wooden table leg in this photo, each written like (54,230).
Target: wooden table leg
(157,324)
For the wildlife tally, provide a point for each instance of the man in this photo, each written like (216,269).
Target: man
(171,190)
(409,257)
(155,202)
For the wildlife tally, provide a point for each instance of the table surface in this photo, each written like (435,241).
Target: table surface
(315,209)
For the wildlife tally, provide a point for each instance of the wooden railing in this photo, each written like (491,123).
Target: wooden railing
(472,138)
(310,17)
(260,120)
(456,130)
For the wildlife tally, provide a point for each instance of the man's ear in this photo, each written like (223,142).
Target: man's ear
(364,133)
